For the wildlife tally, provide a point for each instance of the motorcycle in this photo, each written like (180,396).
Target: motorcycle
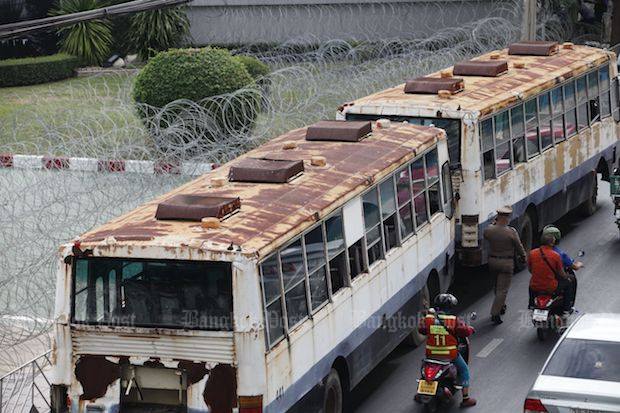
(437,384)
(548,310)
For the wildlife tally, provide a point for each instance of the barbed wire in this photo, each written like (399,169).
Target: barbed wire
(41,209)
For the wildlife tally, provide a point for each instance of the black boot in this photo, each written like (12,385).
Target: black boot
(496,320)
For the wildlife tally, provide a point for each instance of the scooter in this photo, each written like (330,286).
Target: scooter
(547,315)
(437,384)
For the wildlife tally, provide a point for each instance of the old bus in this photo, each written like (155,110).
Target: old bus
(274,283)
(529,126)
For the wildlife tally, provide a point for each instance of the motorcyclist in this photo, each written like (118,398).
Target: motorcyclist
(548,275)
(567,262)
(442,328)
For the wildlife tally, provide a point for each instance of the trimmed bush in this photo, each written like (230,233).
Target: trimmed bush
(192,74)
(198,75)
(33,70)
(255,67)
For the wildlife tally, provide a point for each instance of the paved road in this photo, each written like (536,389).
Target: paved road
(507,358)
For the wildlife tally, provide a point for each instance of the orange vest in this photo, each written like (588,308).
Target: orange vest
(440,344)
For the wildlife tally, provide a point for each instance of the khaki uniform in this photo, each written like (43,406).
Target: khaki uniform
(504,246)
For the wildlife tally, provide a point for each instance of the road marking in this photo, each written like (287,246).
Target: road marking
(488,349)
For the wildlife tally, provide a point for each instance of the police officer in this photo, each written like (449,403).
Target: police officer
(504,245)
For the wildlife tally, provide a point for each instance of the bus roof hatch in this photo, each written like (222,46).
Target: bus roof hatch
(491,68)
(265,170)
(433,85)
(534,48)
(338,130)
(195,207)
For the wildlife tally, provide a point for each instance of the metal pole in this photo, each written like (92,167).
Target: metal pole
(1,382)
(528,31)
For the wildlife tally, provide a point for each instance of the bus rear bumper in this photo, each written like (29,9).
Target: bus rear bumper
(469,257)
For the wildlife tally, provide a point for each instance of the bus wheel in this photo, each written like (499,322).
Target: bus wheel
(333,393)
(588,207)
(414,338)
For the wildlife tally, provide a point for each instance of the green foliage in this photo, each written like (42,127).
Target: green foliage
(255,67)
(196,75)
(154,31)
(33,70)
(192,74)
(89,40)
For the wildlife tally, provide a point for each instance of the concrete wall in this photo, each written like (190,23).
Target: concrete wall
(251,21)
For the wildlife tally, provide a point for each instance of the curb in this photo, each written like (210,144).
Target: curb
(8,160)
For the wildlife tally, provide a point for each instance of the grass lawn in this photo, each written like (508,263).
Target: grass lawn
(45,119)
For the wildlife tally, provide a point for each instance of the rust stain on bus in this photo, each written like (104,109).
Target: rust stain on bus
(269,213)
(95,374)
(220,393)
(549,166)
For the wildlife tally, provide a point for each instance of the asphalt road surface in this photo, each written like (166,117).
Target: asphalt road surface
(507,358)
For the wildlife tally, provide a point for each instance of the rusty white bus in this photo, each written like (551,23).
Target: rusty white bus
(530,126)
(274,283)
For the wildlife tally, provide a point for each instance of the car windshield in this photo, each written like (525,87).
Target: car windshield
(451,126)
(586,359)
(152,293)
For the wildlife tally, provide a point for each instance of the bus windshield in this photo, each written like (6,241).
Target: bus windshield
(152,293)
(451,126)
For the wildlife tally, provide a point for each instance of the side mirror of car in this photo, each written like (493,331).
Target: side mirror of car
(473,315)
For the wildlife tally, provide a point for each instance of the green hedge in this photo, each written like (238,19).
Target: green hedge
(33,70)
(255,67)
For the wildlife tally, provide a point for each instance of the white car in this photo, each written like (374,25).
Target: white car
(582,373)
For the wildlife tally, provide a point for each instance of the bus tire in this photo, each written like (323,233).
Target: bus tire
(588,207)
(415,338)
(334,396)
(526,234)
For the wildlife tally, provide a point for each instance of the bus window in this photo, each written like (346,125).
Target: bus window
(488,148)
(531,128)
(294,279)
(447,189)
(336,252)
(451,126)
(502,143)
(570,121)
(315,257)
(162,294)
(432,181)
(614,100)
(544,116)
(593,97)
(403,194)
(388,213)
(517,124)
(420,195)
(372,223)
(270,276)
(603,77)
(582,103)
(557,111)
(315,249)
(356,259)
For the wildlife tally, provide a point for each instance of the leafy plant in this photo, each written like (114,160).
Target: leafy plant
(207,77)
(154,31)
(90,40)
(33,70)
(254,66)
